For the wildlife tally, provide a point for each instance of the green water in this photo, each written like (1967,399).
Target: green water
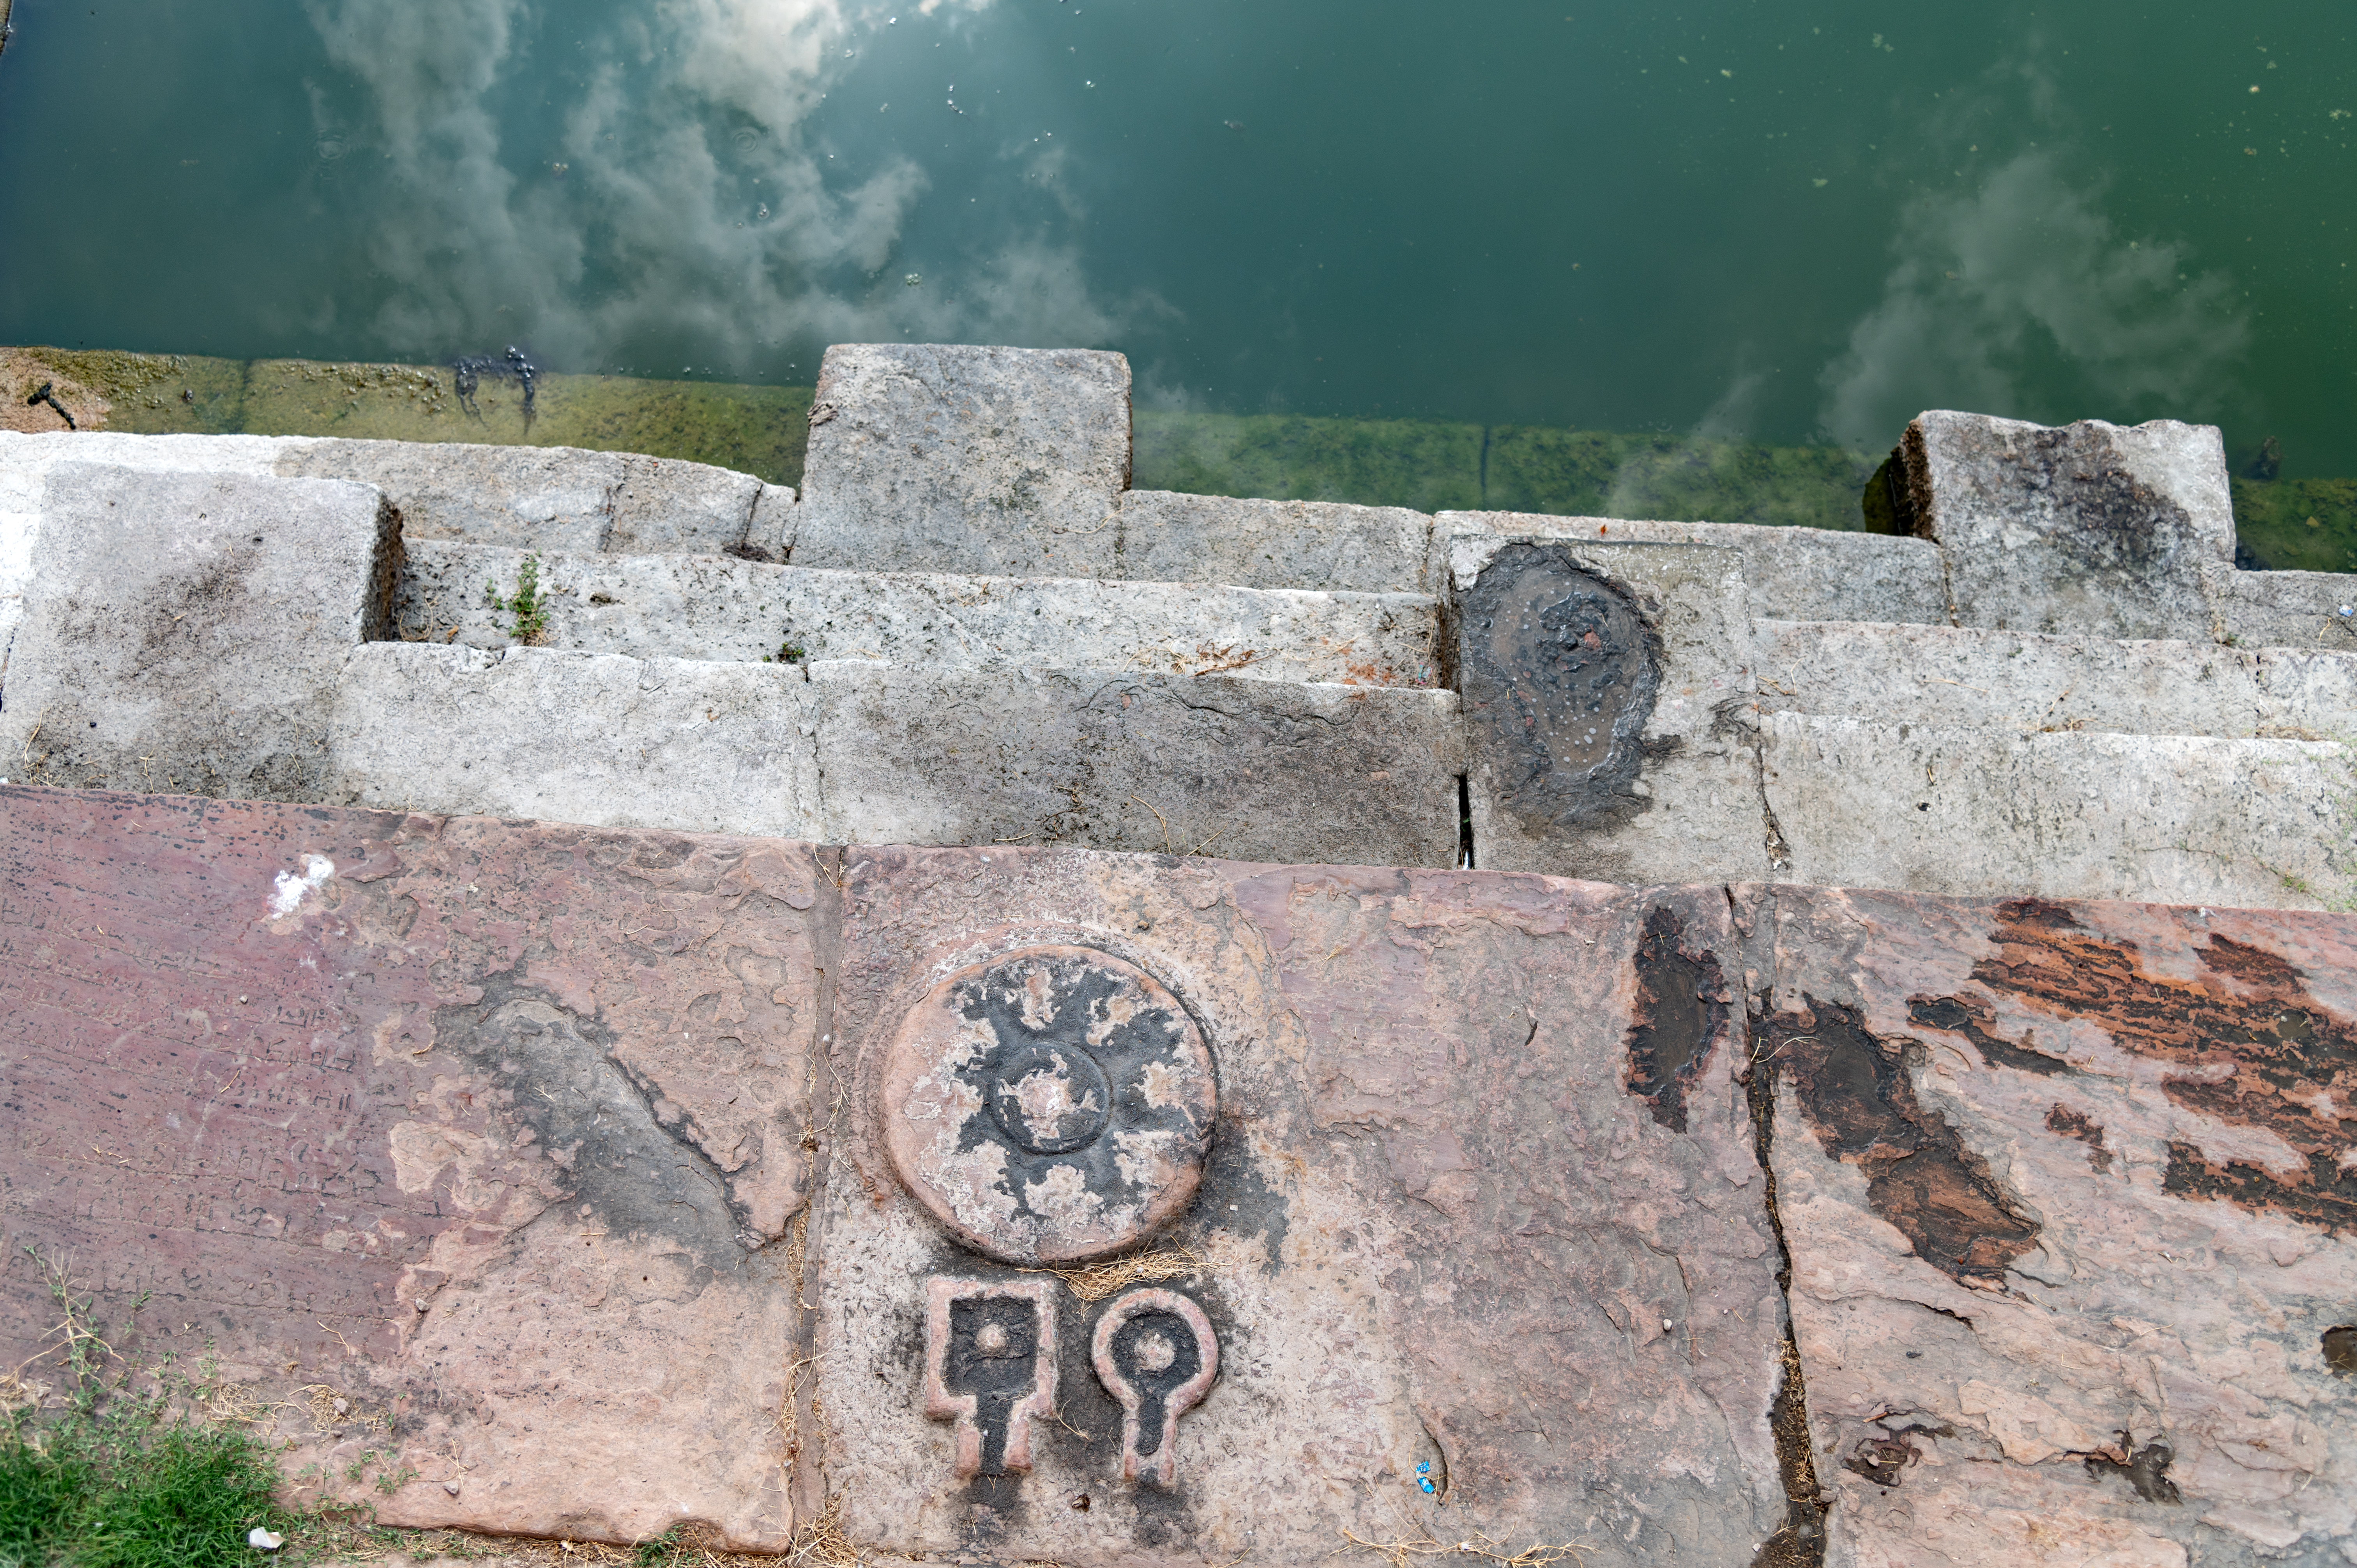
(1720,226)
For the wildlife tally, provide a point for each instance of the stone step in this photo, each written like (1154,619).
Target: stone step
(714,606)
(2171,818)
(535,498)
(851,751)
(1959,678)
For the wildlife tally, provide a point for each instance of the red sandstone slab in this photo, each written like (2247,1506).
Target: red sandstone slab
(1482,1206)
(2069,1192)
(488,1133)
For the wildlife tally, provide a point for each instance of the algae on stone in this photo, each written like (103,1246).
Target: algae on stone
(142,392)
(1590,473)
(1426,465)
(757,430)
(2298,525)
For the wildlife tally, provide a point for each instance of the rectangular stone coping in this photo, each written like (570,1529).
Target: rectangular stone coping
(710,607)
(1947,677)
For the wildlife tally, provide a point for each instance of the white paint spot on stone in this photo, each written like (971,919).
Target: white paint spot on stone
(291,889)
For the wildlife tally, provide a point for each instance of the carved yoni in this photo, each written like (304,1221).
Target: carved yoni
(990,1366)
(1049,1106)
(1155,1354)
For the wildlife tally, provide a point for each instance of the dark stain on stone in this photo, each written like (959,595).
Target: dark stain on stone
(1856,1091)
(1881,1458)
(2341,1349)
(1559,668)
(2105,519)
(1235,1197)
(2078,1125)
(2147,1470)
(2321,1193)
(1051,1015)
(599,1124)
(1969,1020)
(1800,1540)
(1680,1015)
(2257,1049)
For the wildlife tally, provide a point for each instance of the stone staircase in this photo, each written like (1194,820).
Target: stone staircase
(967,630)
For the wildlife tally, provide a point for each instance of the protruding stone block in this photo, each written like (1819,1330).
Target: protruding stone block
(460,1154)
(2066,1192)
(934,458)
(1175,538)
(1607,696)
(2082,527)
(185,633)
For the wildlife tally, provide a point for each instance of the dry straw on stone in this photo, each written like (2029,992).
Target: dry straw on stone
(1094,1281)
(1476,1546)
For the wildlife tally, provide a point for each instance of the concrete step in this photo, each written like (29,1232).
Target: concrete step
(714,606)
(844,751)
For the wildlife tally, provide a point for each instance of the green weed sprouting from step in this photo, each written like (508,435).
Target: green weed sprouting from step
(526,606)
(121,1477)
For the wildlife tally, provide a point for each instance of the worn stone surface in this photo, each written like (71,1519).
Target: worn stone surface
(769,536)
(1947,677)
(2065,1188)
(1483,1198)
(1275,544)
(185,631)
(2259,823)
(596,739)
(716,606)
(1792,573)
(2286,609)
(2082,527)
(1607,696)
(479,1140)
(936,457)
(1164,763)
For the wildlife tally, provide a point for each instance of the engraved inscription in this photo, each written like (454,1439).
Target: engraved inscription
(1155,1354)
(1051,1106)
(990,1366)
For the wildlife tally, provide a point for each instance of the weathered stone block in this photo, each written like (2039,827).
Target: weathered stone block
(714,606)
(186,632)
(598,739)
(2085,528)
(1608,699)
(770,535)
(1172,764)
(1273,545)
(1879,802)
(2286,609)
(1481,1207)
(1946,677)
(2065,1189)
(934,458)
(1792,573)
(471,1144)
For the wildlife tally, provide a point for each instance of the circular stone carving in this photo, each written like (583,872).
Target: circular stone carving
(1049,1106)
